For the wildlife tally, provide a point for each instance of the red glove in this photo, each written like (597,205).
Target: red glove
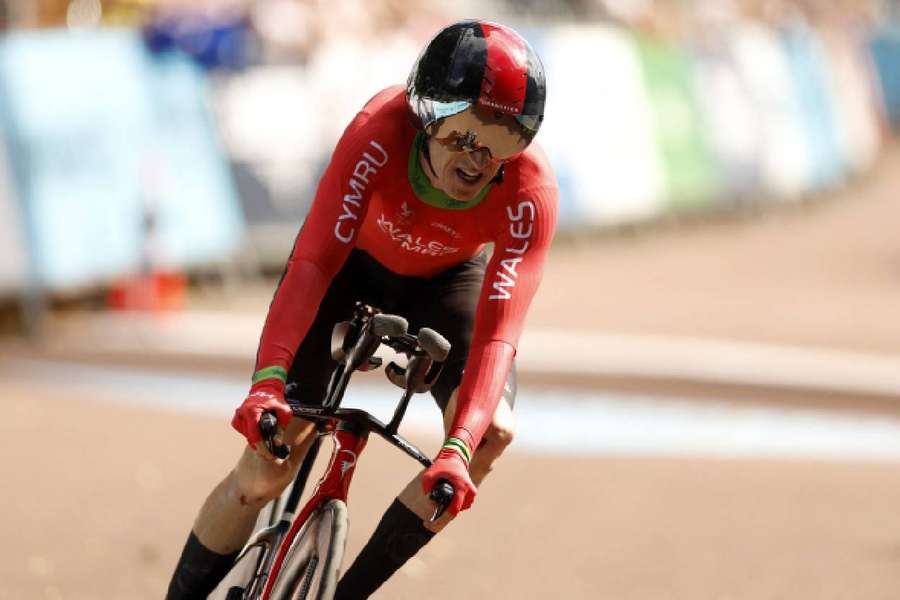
(452,464)
(265,396)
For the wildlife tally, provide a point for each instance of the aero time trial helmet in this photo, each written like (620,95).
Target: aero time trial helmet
(478,84)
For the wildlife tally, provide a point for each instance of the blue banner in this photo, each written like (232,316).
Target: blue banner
(114,157)
(806,60)
(885,49)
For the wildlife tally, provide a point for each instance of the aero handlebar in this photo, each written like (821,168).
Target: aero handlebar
(354,344)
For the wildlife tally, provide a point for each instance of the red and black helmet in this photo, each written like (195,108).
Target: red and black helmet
(478,64)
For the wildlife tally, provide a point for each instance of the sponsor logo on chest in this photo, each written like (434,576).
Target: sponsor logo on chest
(401,234)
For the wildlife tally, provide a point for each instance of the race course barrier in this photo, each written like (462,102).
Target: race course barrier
(114,158)
(116,162)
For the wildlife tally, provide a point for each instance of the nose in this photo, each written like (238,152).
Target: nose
(479,158)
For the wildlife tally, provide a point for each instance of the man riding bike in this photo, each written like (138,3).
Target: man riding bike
(421,180)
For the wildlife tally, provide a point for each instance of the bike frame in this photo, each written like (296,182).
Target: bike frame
(334,485)
(349,429)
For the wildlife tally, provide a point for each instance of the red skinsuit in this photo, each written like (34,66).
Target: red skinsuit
(365,200)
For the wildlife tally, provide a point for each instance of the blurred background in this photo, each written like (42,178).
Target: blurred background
(714,356)
(187,137)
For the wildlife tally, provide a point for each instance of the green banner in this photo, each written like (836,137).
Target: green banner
(688,169)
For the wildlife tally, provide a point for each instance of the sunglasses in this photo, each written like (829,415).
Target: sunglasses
(476,129)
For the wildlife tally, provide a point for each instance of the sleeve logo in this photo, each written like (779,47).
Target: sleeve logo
(359,180)
(521,227)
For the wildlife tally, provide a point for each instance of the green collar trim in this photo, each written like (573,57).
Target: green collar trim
(429,194)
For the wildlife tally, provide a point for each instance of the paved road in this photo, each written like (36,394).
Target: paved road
(101,493)
(549,420)
(98,492)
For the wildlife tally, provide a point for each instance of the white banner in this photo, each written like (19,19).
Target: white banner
(598,130)
(854,100)
(785,160)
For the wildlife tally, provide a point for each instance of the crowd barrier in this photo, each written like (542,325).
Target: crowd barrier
(649,128)
(637,128)
(116,159)
(115,163)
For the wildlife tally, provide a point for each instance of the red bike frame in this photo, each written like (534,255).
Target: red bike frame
(334,485)
(350,428)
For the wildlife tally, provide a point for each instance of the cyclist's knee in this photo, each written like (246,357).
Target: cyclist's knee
(298,431)
(500,432)
(255,480)
(500,436)
(497,437)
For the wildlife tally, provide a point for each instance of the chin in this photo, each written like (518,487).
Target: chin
(464,195)
(463,190)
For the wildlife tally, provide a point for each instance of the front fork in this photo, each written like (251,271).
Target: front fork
(349,442)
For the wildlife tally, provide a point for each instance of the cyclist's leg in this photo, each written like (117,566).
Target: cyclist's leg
(229,514)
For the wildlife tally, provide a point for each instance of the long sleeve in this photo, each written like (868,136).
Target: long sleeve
(322,246)
(512,278)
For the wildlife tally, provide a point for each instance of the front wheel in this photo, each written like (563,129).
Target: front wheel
(312,565)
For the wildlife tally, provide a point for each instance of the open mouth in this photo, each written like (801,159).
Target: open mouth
(468,177)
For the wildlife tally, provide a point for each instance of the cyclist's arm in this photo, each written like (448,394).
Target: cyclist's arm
(512,278)
(322,246)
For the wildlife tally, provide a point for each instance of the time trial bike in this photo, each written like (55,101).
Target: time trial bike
(298,555)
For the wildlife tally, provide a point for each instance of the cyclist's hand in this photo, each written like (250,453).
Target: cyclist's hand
(451,466)
(263,398)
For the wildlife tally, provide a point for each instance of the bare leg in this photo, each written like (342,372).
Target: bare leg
(226,519)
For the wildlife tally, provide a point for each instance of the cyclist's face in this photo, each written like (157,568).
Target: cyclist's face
(460,173)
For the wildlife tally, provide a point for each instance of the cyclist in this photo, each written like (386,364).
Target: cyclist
(421,180)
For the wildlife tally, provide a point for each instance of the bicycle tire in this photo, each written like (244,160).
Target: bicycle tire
(312,565)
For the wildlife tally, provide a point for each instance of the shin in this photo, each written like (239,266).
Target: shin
(229,514)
